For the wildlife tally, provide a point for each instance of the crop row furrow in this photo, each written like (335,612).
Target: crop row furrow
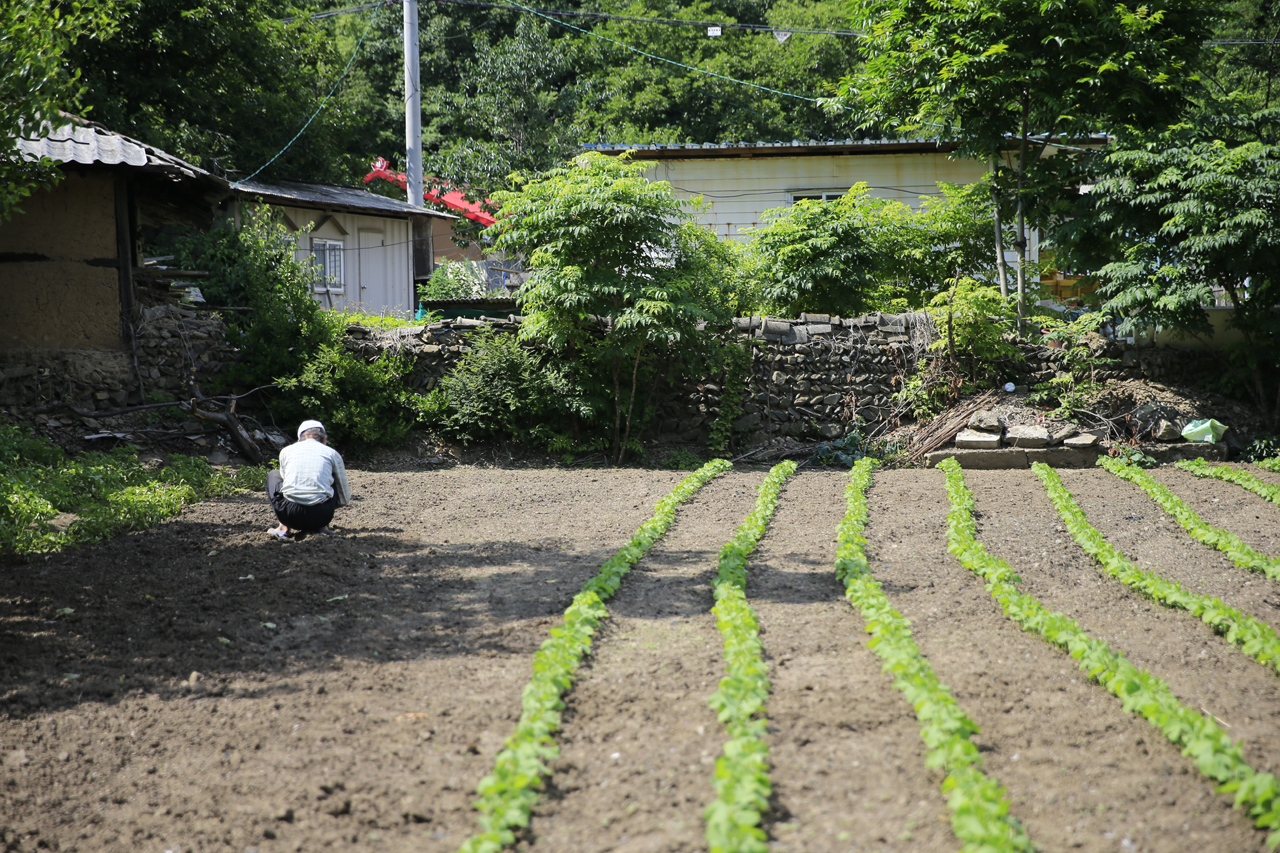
(742,770)
(1201,531)
(1253,636)
(979,807)
(1239,476)
(508,794)
(1199,737)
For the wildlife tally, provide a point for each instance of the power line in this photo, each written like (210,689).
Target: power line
(323,103)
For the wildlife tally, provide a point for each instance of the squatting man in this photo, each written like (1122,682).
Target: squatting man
(310,484)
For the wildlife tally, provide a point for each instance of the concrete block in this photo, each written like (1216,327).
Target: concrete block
(1026,435)
(1063,457)
(982,460)
(1170,453)
(972,439)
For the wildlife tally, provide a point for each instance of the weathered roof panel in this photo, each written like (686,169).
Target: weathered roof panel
(80,141)
(330,196)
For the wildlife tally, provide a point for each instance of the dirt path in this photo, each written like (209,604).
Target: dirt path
(1081,773)
(848,763)
(1146,534)
(1252,518)
(639,740)
(368,711)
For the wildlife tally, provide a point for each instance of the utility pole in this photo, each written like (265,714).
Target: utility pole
(412,105)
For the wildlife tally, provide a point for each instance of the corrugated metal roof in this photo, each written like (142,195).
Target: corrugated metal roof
(80,141)
(766,145)
(330,196)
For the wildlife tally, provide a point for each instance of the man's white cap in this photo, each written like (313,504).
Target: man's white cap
(306,425)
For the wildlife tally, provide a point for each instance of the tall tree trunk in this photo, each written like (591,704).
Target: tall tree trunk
(1001,269)
(631,404)
(617,411)
(1021,242)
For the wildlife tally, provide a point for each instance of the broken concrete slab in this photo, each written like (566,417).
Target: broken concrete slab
(986,421)
(1063,457)
(1062,435)
(1081,441)
(982,460)
(1169,453)
(972,439)
(1027,435)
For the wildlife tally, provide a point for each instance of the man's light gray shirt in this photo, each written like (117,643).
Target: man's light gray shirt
(312,472)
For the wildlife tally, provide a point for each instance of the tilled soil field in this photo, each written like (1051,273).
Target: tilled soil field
(202,687)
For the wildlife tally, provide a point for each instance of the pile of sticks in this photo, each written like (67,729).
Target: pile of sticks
(944,428)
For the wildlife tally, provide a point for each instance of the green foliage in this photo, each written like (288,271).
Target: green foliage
(979,806)
(841,453)
(454,280)
(973,321)
(1199,737)
(680,459)
(1201,531)
(742,771)
(1252,636)
(501,389)
(602,242)
(37,82)
(1242,478)
(508,794)
(1270,464)
(225,84)
(1185,218)
(1070,391)
(108,492)
(390,320)
(365,404)
(737,373)
(1264,446)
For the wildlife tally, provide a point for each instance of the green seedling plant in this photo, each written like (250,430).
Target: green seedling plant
(1198,736)
(1240,477)
(109,493)
(1252,636)
(979,807)
(1270,464)
(1201,531)
(507,795)
(742,770)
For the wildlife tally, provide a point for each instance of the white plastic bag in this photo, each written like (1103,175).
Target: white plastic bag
(1205,430)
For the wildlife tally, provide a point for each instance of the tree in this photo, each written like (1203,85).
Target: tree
(36,83)
(1185,218)
(226,85)
(604,247)
(857,253)
(1005,77)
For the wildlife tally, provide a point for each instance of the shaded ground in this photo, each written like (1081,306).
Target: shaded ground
(349,692)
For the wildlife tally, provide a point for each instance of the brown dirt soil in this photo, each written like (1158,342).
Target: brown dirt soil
(848,762)
(1081,773)
(1222,504)
(370,678)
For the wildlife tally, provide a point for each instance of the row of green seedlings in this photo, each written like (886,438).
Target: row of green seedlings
(1239,476)
(508,794)
(1199,529)
(1251,635)
(1199,737)
(109,493)
(1272,464)
(741,778)
(978,805)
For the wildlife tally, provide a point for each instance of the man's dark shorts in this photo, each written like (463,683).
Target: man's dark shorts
(296,516)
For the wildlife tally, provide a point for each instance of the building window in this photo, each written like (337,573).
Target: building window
(327,256)
(816,195)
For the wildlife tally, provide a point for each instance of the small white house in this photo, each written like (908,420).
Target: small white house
(369,250)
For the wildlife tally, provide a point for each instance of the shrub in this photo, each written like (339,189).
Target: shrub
(500,389)
(455,280)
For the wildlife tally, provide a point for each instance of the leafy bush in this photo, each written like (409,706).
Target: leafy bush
(500,389)
(455,280)
(1263,446)
(365,405)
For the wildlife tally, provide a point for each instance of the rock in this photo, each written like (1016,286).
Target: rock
(972,439)
(1083,440)
(1063,434)
(829,430)
(987,421)
(1027,435)
(982,460)
(1168,431)
(747,422)
(217,457)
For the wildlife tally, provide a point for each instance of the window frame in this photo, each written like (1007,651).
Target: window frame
(324,281)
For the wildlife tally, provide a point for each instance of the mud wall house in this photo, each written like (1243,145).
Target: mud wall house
(68,260)
(369,251)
